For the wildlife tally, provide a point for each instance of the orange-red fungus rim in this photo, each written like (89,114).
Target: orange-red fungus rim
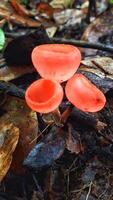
(44,95)
(58,62)
(84,95)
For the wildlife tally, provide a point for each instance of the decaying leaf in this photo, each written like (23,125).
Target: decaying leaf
(101,27)
(20,9)
(73,142)
(51,31)
(12,72)
(9,135)
(45,9)
(47,150)
(61,3)
(69,16)
(102,66)
(100,71)
(22,117)
(17,19)
(55,183)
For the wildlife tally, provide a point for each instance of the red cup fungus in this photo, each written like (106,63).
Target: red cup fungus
(57,62)
(44,95)
(84,95)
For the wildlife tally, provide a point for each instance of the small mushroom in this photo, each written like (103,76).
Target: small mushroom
(57,62)
(44,95)
(84,95)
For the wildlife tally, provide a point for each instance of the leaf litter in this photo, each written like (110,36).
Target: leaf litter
(69,162)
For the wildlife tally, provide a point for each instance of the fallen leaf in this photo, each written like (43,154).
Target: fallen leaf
(22,117)
(61,3)
(45,9)
(20,9)
(51,31)
(55,183)
(68,17)
(100,71)
(23,21)
(12,72)
(73,143)
(47,150)
(100,27)
(102,66)
(17,19)
(9,135)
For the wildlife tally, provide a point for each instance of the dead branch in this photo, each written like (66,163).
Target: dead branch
(84,44)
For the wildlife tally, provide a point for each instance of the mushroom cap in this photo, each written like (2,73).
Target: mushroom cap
(84,95)
(56,61)
(44,95)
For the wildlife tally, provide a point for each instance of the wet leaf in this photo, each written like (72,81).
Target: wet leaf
(9,135)
(45,9)
(100,71)
(2,39)
(105,84)
(99,30)
(102,66)
(55,183)
(12,72)
(17,19)
(47,150)
(51,31)
(22,117)
(61,3)
(19,8)
(68,16)
(73,143)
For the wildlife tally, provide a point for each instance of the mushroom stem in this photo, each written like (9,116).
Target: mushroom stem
(66,113)
(57,116)
(53,117)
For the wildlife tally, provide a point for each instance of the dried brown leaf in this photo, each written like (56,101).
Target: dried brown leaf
(101,26)
(46,9)
(73,142)
(20,9)
(9,135)
(22,117)
(68,16)
(12,72)
(17,19)
(101,66)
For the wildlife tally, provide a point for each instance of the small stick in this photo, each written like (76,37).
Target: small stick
(87,197)
(91,9)
(84,44)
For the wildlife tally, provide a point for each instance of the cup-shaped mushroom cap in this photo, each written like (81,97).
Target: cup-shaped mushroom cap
(44,95)
(56,61)
(84,95)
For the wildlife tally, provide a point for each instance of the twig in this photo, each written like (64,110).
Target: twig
(11,89)
(84,44)
(87,197)
(91,9)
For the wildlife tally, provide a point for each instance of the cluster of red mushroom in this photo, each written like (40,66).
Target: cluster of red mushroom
(57,63)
